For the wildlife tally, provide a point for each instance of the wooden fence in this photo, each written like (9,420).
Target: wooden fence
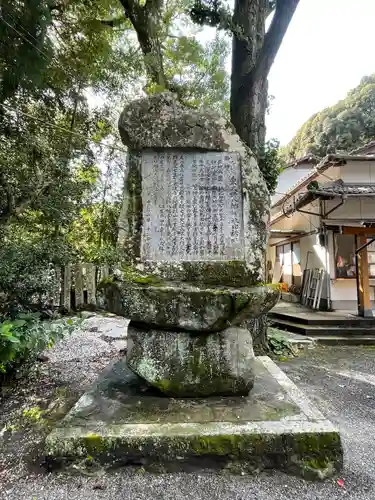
(78,284)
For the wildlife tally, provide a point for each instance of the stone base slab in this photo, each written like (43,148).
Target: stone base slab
(121,421)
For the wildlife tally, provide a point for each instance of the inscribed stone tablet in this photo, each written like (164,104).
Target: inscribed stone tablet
(192,207)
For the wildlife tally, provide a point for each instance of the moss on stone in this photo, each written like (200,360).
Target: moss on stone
(317,455)
(96,445)
(236,451)
(145,299)
(225,273)
(108,280)
(317,468)
(316,463)
(133,275)
(181,364)
(308,443)
(233,445)
(133,209)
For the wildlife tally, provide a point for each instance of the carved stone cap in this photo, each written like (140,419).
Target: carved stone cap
(161,121)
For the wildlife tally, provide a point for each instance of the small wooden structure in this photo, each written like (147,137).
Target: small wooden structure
(364,236)
(78,284)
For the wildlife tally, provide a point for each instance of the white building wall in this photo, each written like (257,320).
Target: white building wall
(358,172)
(353,208)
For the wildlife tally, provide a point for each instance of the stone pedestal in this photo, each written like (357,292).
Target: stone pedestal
(119,421)
(184,364)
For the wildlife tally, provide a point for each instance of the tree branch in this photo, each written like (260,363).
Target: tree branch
(16,207)
(114,22)
(131,9)
(284,12)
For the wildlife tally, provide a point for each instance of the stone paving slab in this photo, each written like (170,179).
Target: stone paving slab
(121,421)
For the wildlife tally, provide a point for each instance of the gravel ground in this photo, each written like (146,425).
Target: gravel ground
(340,381)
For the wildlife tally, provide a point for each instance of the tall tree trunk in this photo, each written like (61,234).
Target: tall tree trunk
(146,21)
(254,51)
(148,38)
(249,90)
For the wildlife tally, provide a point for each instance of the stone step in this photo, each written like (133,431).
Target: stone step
(329,335)
(320,320)
(313,330)
(355,340)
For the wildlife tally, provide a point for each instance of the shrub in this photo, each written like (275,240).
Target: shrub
(23,338)
(270,163)
(27,277)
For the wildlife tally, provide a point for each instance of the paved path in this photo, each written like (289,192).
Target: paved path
(340,381)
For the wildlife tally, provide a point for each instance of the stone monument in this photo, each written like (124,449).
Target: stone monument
(193,230)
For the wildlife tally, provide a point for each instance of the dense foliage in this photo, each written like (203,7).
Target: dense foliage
(66,69)
(270,163)
(27,276)
(24,337)
(348,124)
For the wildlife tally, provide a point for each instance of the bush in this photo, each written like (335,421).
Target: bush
(23,338)
(27,277)
(270,163)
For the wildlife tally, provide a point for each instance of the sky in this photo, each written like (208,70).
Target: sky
(329,46)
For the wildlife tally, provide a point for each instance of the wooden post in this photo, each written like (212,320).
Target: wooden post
(67,286)
(90,284)
(104,272)
(57,297)
(78,286)
(364,301)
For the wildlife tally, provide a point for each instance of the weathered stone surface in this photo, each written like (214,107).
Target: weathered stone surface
(160,121)
(192,207)
(194,216)
(120,421)
(152,123)
(235,273)
(131,215)
(181,364)
(258,328)
(197,308)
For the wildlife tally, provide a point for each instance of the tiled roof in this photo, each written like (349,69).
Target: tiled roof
(326,190)
(369,148)
(328,161)
(309,158)
(341,188)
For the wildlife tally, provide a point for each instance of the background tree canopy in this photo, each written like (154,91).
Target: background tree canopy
(348,124)
(66,70)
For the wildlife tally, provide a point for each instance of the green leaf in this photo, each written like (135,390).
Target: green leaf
(13,340)
(6,328)
(18,322)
